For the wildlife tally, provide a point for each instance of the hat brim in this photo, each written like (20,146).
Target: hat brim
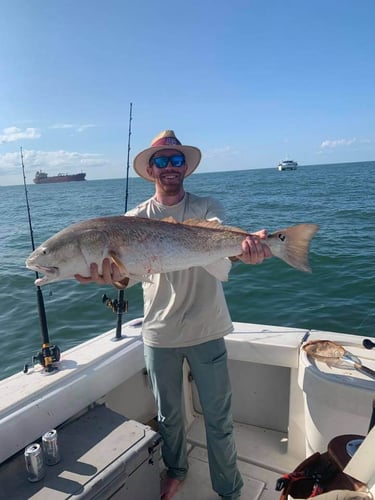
(141,161)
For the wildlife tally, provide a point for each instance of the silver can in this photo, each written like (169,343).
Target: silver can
(51,447)
(34,462)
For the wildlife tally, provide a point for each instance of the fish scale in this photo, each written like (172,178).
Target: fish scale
(142,247)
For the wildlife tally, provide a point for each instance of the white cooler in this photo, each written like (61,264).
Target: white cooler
(337,400)
(103,455)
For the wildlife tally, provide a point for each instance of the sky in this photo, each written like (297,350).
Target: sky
(249,82)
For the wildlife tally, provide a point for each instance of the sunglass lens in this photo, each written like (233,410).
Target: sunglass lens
(177,160)
(161,161)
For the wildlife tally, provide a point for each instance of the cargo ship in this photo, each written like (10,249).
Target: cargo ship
(42,177)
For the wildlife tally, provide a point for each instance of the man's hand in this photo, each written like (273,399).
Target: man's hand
(110,274)
(253,251)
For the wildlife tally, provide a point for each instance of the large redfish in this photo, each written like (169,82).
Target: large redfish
(141,247)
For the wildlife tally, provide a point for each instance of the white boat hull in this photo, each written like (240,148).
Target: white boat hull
(292,165)
(285,407)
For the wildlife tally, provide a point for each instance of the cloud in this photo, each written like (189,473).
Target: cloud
(52,162)
(62,159)
(12,134)
(72,126)
(344,142)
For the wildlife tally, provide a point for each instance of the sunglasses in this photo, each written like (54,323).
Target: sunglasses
(162,161)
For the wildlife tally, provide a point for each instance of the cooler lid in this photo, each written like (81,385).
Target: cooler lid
(94,449)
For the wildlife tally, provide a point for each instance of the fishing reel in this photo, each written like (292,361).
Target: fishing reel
(117,306)
(46,357)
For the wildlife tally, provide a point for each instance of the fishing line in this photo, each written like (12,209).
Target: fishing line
(368,315)
(120,305)
(48,354)
(127,161)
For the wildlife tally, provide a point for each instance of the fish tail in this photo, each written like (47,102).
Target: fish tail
(292,245)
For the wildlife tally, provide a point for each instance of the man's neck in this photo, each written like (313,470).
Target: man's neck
(169,200)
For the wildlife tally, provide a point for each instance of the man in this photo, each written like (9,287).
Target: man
(186,317)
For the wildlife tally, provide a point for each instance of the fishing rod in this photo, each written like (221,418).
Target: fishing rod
(127,161)
(120,305)
(48,354)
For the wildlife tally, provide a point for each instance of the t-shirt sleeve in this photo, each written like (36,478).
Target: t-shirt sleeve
(215,210)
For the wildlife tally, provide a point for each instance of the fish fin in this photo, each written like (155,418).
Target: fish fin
(170,219)
(219,269)
(292,245)
(127,282)
(213,224)
(121,284)
(208,224)
(114,258)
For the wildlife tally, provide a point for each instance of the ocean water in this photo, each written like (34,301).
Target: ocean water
(338,296)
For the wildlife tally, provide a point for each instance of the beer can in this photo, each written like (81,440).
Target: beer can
(34,462)
(51,447)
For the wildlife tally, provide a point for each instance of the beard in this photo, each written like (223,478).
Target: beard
(170,183)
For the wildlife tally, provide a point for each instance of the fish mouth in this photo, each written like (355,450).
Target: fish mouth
(42,281)
(42,269)
(50,272)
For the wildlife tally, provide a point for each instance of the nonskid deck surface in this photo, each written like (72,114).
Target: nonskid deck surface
(259,480)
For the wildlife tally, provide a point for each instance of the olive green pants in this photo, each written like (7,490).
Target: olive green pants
(208,364)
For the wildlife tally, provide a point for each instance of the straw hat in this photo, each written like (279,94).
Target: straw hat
(166,140)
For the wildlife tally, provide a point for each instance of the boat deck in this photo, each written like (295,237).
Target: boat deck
(93,460)
(262,459)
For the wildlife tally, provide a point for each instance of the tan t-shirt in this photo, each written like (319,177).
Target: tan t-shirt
(183,308)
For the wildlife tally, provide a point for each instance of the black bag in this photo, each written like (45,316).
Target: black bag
(320,473)
(309,479)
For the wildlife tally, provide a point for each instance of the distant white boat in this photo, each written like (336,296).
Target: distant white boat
(287,165)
